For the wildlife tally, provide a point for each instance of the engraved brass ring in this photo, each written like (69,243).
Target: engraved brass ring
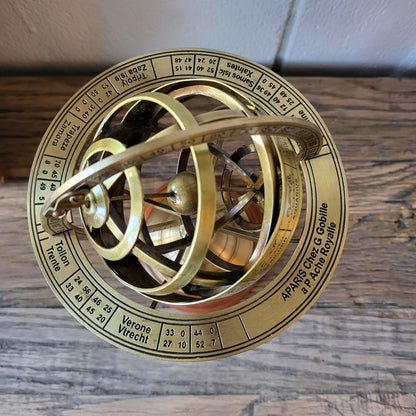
(210,192)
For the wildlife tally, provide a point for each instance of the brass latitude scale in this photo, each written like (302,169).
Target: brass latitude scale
(187,204)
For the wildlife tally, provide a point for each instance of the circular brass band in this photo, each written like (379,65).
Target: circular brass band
(278,240)
(206,199)
(306,135)
(190,336)
(128,240)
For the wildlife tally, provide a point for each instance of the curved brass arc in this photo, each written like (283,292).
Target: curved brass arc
(225,326)
(206,196)
(128,240)
(183,117)
(237,102)
(307,136)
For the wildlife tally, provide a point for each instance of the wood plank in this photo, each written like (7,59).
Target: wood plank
(369,118)
(110,405)
(212,405)
(354,352)
(360,113)
(345,352)
(376,268)
(27,107)
(336,405)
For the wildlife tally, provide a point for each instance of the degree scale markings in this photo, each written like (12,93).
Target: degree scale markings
(270,93)
(126,321)
(104,97)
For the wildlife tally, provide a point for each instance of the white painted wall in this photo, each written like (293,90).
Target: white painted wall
(357,34)
(291,35)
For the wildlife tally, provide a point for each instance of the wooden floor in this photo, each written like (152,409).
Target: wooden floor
(353,353)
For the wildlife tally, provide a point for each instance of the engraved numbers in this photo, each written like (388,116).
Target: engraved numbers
(51,168)
(49,177)
(183,64)
(175,338)
(99,309)
(205,338)
(78,289)
(190,338)
(206,65)
(102,92)
(284,101)
(266,87)
(84,108)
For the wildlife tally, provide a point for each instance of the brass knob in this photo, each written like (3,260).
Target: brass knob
(183,192)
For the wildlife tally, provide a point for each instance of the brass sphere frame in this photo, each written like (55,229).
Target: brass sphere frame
(258,103)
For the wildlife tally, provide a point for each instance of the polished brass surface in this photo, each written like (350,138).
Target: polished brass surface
(183,193)
(196,176)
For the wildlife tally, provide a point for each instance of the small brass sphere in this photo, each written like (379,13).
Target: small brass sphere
(184,193)
(97,207)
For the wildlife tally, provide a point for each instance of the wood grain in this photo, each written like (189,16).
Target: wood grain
(354,353)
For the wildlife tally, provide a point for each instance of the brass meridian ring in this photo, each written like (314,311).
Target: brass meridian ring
(128,240)
(238,194)
(278,242)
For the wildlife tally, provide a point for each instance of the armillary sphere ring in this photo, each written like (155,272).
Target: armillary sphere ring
(209,189)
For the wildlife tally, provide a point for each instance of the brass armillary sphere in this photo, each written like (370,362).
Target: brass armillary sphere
(205,184)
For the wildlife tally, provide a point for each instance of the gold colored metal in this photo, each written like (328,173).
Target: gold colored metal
(96,207)
(196,175)
(183,193)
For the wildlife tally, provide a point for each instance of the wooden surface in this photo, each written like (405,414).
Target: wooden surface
(353,353)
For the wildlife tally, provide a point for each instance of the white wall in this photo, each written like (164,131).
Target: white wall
(357,34)
(310,36)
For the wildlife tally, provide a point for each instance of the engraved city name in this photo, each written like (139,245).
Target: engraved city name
(57,256)
(134,330)
(314,262)
(65,132)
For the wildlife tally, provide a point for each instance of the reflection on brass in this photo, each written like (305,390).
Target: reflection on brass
(183,193)
(193,174)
